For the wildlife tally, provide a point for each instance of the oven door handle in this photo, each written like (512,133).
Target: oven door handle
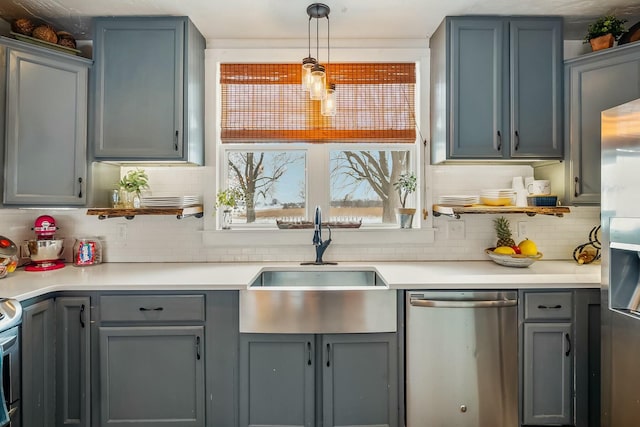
(7,343)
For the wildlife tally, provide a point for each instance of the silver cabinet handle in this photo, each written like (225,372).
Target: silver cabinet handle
(576,185)
(499,141)
(463,304)
(517,135)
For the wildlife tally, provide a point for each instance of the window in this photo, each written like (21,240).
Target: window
(287,158)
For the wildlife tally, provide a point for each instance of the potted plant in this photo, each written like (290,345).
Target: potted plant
(602,33)
(226,200)
(131,185)
(405,185)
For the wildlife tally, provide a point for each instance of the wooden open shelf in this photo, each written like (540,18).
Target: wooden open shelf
(104,213)
(456,211)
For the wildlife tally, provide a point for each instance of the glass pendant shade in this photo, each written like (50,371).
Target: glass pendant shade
(318,82)
(307,66)
(329,101)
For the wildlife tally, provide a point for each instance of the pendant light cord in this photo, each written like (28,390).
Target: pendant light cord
(309,36)
(317,40)
(328,50)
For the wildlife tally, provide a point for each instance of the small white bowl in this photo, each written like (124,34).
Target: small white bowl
(516,260)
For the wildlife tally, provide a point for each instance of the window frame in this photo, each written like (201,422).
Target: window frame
(238,51)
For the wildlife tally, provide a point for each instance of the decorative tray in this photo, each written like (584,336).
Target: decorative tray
(43,43)
(297,225)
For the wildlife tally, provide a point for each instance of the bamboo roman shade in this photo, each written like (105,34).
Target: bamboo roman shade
(266,103)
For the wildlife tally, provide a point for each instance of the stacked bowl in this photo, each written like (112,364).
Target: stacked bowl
(498,197)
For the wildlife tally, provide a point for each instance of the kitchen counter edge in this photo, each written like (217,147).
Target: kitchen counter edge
(450,275)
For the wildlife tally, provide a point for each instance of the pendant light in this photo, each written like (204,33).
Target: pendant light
(313,73)
(308,62)
(329,101)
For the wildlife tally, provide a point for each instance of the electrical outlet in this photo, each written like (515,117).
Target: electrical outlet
(122,232)
(522,229)
(455,229)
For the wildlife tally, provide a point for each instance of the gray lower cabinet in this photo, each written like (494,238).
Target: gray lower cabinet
(277,380)
(560,364)
(55,362)
(38,364)
(592,84)
(359,380)
(73,351)
(548,373)
(46,126)
(152,346)
(161,368)
(496,88)
(318,380)
(149,89)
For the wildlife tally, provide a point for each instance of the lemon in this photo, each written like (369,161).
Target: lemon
(528,247)
(504,250)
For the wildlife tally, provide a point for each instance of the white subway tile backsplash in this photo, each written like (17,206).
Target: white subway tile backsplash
(167,239)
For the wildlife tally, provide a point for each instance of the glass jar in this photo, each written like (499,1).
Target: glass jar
(226,219)
(87,251)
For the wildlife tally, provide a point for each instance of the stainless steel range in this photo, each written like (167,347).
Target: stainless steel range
(10,319)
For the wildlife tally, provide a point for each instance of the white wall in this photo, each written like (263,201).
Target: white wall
(167,239)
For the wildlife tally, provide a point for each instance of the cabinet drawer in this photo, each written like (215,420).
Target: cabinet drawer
(547,305)
(151,308)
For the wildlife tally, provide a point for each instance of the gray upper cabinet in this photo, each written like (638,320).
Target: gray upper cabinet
(496,87)
(46,126)
(593,84)
(149,89)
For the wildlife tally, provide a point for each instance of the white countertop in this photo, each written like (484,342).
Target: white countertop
(23,285)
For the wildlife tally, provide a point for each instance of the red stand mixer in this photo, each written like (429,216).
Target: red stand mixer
(44,250)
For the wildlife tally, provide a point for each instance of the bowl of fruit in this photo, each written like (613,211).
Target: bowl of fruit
(507,253)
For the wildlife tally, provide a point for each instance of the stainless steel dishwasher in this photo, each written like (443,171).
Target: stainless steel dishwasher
(462,359)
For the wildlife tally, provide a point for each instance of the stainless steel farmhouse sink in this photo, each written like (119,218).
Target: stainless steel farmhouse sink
(318,300)
(318,279)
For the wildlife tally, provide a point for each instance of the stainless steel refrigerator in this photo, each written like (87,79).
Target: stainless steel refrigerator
(620,216)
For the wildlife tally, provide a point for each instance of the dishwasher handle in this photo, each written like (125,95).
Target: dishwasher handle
(417,302)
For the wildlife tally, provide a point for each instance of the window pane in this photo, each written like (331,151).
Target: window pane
(273,184)
(362,184)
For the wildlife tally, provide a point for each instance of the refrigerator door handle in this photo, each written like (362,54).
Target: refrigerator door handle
(463,304)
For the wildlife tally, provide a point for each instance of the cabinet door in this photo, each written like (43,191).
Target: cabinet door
(73,396)
(152,376)
(360,380)
(547,370)
(587,357)
(139,72)
(535,56)
(593,85)
(477,88)
(38,365)
(46,130)
(277,380)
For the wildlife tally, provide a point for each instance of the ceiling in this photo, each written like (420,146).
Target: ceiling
(287,19)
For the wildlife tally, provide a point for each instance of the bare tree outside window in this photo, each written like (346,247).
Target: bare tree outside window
(270,182)
(362,183)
